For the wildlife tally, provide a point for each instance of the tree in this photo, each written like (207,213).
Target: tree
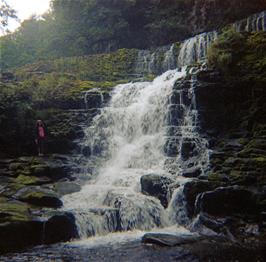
(6,12)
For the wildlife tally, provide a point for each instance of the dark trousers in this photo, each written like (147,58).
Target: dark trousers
(40,145)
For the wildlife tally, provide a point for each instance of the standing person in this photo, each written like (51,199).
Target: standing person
(40,135)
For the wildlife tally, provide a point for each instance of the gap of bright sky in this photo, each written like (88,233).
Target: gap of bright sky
(26,8)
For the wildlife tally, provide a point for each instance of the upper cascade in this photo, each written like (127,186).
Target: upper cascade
(191,51)
(195,49)
(157,61)
(253,23)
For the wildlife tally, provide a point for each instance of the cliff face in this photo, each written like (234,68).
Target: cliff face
(207,15)
(156,23)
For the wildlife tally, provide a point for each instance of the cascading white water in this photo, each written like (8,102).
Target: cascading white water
(194,50)
(127,139)
(154,62)
(254,23)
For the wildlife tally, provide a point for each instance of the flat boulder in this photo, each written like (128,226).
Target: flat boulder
(170,240)
(66,187)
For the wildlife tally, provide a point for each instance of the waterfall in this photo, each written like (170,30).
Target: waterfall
(131,138)
(254,23)
(157,61)
(194,50)
(127,141)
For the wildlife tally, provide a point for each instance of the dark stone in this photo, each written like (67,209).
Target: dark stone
(163,239)
(20,234)
(86,151)
(191,191)
(60,228)
(188,149)
(175,115)
(228,201)
(203,221)
(171,147)
(193,172)
(39,197)
(64,188)
(157,186)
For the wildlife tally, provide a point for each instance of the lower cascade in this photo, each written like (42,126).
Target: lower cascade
(147,131)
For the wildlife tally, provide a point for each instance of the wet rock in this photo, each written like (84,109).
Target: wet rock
(171,147)
(208,225)
(127,204)
(163,239)
(188,149)
(157,186)
(86,151)
(175,115)
(20,234)
(63,188)
(60,227)
(11,210)
(39,197)
(32,180)
(228,201)
(192,172)
(191,191)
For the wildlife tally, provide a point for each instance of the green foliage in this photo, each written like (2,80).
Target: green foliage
(82,27)
(103,67)
(6,12)
(226,49)
(242,54)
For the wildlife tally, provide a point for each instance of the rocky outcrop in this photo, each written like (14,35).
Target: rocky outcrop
(228,201)
(209,14)
(20,234)
(191,191)
(157,186)
(30,185)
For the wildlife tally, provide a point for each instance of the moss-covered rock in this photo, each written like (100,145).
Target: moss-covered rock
(11,210)
(39,197)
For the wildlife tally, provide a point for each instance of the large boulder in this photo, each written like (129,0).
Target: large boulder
(39,197)
(60,227)
(20,234)
(191,190)
(157,186)
(228,201)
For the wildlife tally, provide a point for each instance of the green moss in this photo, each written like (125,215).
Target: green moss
(100,67)
(224,51)
(243,141)
(217,179)
(260,159)
(26,180)
(242,54)
(33,195)
(13,211)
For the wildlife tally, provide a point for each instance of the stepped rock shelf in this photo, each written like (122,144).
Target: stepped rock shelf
(151,156)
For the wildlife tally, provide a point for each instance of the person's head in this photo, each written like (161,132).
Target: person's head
(39,123)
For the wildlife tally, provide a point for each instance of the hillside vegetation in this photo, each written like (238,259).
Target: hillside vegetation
(82,27)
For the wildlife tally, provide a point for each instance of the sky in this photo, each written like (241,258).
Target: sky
(26,8)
